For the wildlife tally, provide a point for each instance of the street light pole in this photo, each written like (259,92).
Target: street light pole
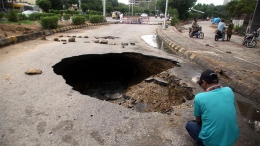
(165,15)
(132,7)
(79,5)
(104,8)
(3,4)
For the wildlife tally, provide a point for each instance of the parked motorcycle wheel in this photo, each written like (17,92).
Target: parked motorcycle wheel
(251,44)
(201,35)
(216,38)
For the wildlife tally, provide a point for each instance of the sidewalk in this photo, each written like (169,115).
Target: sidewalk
(242,75)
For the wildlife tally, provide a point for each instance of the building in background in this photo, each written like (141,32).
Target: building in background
(226,1)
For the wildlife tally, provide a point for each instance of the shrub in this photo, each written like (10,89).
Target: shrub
(2,14)
(96,18)
(22,17)
(47,14)
(78,19)
(174,21)
(13,15)
(66,16)
(237,28)
(50,22)
(34,16)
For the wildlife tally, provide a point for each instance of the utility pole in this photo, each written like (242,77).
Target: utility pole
(79,5)
(3,4)
(165,15)
(132,7)
(104,8)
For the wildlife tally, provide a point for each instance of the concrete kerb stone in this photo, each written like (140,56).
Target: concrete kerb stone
(20,38)
(255,95)
(47,32)
(51,31)
(246,89)
(2,42)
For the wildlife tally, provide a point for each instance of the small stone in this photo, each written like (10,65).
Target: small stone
(228,52)
(63,40)
(64,43)
(71,39)
(124,44)
(180,30)
(50,132)
(103,42)
(132,44)
(79,36)
(86,41)
(61,36)
(74,36)
(85,36)
(33,71)
(113,43)
(206,44)
(43,37)
(96,41)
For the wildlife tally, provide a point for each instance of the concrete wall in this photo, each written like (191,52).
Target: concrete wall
(238,22)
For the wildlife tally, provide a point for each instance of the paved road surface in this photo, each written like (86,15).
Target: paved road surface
(44,110)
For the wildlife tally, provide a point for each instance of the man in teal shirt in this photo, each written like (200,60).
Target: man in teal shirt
(215,112)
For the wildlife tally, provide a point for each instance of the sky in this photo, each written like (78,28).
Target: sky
(215,2)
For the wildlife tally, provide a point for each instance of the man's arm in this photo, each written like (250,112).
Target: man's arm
(198,120)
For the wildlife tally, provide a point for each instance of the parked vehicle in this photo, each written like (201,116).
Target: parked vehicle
(144,15)
(198,32)
(250,40)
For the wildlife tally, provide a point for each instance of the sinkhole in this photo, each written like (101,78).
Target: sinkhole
(117,77)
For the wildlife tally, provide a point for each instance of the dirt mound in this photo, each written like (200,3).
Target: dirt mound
(160,93)
(8,30)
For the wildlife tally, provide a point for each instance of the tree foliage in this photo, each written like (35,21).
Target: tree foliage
(237,8)
(182,6)
(45,5)
(56,4)
(209,11)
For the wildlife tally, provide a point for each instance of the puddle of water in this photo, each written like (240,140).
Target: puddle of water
(250,113)
(155,42)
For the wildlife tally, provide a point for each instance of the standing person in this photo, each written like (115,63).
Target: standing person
(229,30)
(221,28)
(215,112)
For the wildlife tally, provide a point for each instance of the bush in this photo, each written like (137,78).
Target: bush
(2,14)
(13,15)
(66,16)
(22,17)
(174,21)
(34,16)
(237,28)
(78,19)
(96,18)
(47,14)
(50,22)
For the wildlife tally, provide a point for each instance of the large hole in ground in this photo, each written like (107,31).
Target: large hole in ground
(120,78)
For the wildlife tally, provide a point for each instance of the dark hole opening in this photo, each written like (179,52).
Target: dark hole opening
(100,74)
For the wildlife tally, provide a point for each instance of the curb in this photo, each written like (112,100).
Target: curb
(247,90)
(32,36)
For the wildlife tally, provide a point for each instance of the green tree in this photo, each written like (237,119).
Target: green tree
(237,8)
(45,5)
(56,4)
(182,6)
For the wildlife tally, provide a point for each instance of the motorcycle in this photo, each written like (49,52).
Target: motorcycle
(250,39)
(198,32)
(218,35)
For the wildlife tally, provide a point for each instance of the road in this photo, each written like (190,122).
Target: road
(44,110)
